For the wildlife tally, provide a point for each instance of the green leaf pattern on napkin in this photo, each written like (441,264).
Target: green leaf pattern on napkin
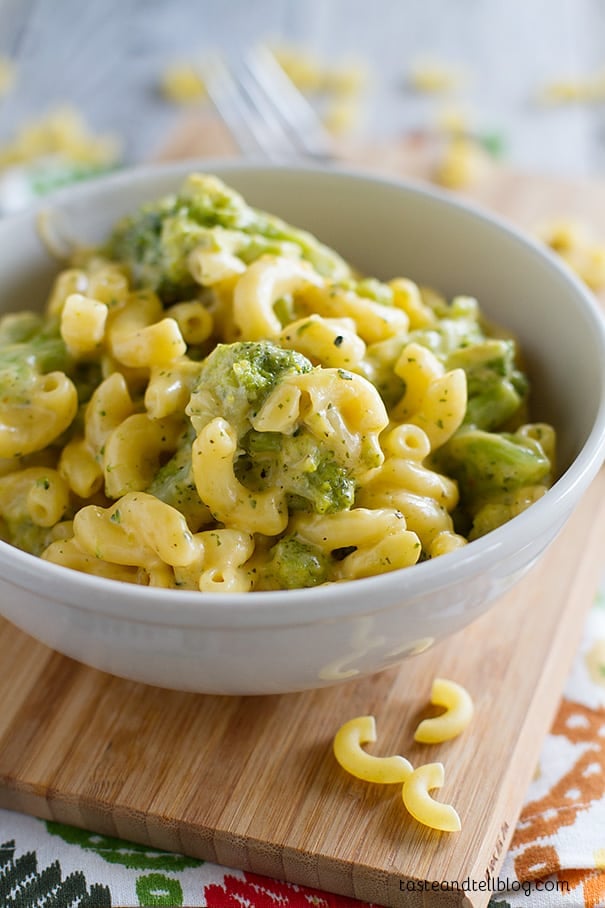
(22,885)
(118,851)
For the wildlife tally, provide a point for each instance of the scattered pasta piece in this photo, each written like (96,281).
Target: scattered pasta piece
(342,115)
(462,163)
(562,235)
(589,264)
(562,91)
(348,752)
(346,79)
(301,66)
(454,121)
(459,712)
(417,783)
(465,149)
(62,133)
(588,89)
(433,76)
(575,244)
(422,807)
(7,75)
(181,83)
(341,86)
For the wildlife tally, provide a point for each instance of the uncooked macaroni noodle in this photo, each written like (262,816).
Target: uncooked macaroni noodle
(459,712)
(422,806)
(419,782)
(351,756)
(214,400)
(575,243)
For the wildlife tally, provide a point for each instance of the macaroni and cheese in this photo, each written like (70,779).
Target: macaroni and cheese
(214,400)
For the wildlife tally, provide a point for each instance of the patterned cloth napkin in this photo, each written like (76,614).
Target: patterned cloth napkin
(556,858)
(558,850)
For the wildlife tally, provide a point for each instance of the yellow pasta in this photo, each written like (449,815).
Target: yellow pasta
(67,282)
(407,296)
(138,336)
(182,83)
(61,132)
(424,497)
(212,266)
(374,321)
(7,75)
(463,163)
(417,783)
(107,282)
(459,712)
(576,245)
(350,755)
(39,493)
(434,76)
(169,388)
(421,805)
(330,342)
(80,468)
(223,375)
(379,540)
(220,563)
(83,323)
(67,552)
(193,319)
(418,368)
(45,411)
(343,114)
(229,501)
(107,409)
(301,65)
(132,452)
(262,285)
(347,412)
(137,525)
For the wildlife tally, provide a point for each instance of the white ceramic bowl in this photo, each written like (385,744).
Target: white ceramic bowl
(294,640)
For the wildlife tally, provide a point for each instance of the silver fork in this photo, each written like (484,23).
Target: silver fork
(264,111)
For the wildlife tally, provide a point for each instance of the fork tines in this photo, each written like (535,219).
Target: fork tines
(262,108)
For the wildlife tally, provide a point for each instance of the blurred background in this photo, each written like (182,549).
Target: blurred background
(110,82)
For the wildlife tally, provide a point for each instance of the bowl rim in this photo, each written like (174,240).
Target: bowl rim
(156,605)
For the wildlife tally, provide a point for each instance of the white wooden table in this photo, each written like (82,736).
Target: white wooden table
(105,56)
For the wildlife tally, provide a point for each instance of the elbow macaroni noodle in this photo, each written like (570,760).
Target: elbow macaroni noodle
(348,752)
(421,806)
(129,468)
(416,783)
(459,712)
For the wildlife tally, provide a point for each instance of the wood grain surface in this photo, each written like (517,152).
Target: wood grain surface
(252,782)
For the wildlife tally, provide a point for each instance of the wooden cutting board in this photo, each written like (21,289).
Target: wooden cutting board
(252,783)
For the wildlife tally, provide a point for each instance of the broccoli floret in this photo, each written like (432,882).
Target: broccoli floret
(310,475)
(378,367)
(155,241)
(234,382)
(488,463)
(496,388)
(174,485)
(17,327)
(236,379)
(41,350)
(295,564)
(29,347)
(24,534)
(154,244)
(370,288)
